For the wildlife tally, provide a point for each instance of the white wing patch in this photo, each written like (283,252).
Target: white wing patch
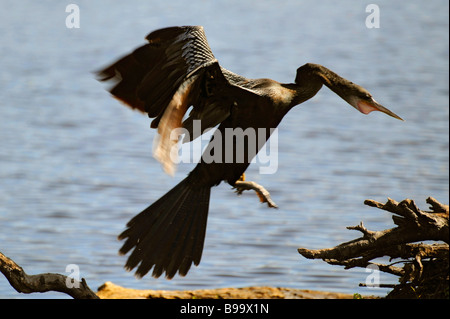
(166,142)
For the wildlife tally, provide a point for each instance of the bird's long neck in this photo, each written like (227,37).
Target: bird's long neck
(310,78)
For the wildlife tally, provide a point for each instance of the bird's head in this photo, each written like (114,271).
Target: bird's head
(362,100)
(311,74)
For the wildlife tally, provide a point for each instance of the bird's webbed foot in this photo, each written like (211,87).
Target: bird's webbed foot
(242,185)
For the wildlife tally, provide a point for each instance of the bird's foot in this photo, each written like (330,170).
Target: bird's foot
(242,185)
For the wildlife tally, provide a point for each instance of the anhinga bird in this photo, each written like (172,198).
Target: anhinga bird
(172,72)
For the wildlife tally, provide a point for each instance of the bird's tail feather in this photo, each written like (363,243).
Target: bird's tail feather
(169,234)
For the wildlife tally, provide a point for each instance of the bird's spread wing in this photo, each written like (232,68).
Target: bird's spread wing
(163,78)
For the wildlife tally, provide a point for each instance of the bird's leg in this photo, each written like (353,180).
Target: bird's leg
(264,196)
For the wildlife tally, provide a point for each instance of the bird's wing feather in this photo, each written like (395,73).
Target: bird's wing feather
(163,78)
(148,78)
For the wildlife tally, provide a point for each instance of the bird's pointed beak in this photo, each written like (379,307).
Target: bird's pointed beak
(366,107)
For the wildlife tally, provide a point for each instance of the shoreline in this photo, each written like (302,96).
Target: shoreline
(110,290)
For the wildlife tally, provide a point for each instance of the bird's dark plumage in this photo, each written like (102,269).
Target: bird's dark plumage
(175,70)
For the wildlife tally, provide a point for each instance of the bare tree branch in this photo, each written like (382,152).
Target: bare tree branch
(421,261)
(25,283)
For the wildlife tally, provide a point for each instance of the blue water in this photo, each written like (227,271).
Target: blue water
(75,165)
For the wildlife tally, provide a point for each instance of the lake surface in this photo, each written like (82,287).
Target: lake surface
(75,165)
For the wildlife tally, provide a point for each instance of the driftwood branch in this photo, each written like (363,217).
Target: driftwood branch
(25,283)
(415,224)
(418,262)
